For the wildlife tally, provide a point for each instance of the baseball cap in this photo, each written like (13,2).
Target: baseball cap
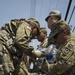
(53,13)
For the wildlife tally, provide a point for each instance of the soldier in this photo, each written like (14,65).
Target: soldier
(42,37)
(22,41)
(65,42)
(14,41)
(44,41)
(53,18)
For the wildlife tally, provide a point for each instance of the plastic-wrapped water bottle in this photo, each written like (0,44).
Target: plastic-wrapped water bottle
(52,54)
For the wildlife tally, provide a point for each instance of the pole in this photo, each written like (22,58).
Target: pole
(70,1)
(71,15)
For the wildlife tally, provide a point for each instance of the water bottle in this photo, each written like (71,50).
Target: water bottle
(52,54)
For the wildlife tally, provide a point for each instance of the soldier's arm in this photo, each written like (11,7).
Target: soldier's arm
(22,40)
(66,61)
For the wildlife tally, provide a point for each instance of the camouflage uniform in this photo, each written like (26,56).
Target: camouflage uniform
(57,21)
(19,29)
(54,29)
(45,41)
(43,44)
(23,37)
(38,63)
(6,41)
(66,60)
(66,63)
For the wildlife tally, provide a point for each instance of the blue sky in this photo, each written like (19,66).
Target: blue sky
(12,9)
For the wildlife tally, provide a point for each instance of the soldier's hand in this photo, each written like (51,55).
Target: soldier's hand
(37,53)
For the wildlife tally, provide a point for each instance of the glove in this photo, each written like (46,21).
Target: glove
(37,53)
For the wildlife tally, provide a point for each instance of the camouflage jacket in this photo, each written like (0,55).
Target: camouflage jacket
(66,60)
(43,44)
(38,63)
(67,57)
(55,30)
(19,32)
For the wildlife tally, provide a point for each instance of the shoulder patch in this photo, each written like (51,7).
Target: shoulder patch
(68,50)
(28,28)
(70,46)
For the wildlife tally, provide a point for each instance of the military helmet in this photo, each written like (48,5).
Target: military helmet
(43,29)
(53,13)
(33,21)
